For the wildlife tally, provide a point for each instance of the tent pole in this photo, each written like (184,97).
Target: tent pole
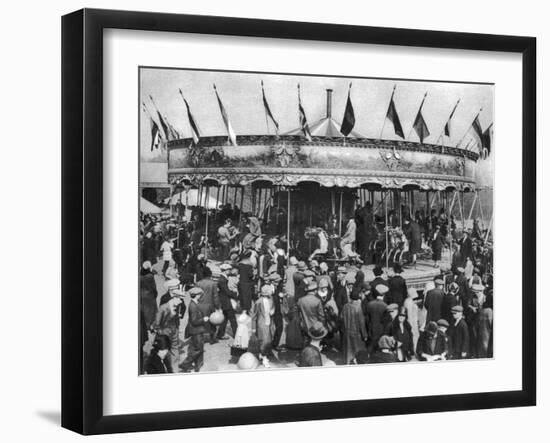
(241,207)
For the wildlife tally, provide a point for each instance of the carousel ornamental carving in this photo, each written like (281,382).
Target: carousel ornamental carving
(284,154)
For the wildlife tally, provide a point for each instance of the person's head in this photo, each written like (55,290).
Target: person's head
(266,291)
(195,293)
(453,288)
(442,325)
(438,281)
(392,310)
(377,271)
(431,329)
(402,314)
(207,272)
(317,332)
(149,234)
(225,268)
(386,342)
(309,276)
(397,268)
(381,291)
(322,289)
(311,287)
(227,222)
(293,260)
(341,273)
(161,345)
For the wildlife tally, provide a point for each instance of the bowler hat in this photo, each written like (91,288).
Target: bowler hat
(317,331)
(457,308)
(312,286)
(443,322)
(381,289)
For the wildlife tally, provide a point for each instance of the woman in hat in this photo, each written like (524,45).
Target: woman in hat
(156,361)
(354,332)
(401,330)
(294,336)
(147,293)
(262,312)
(413,318)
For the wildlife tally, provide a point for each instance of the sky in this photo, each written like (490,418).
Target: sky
(242,97)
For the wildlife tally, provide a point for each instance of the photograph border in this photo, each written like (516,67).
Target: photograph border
(82,235)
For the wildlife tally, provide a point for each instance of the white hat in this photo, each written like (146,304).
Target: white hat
(225,267)
(146,264)
(381,289)
(172,284)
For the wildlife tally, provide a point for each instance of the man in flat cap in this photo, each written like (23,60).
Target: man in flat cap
(459,335)
(311,308)
(398,286)
(375,311)
(433,300)
(225,296)
(196,328)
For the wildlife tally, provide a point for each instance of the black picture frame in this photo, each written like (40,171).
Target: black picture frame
(82,220)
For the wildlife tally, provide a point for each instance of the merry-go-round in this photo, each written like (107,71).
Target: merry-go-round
(298,186)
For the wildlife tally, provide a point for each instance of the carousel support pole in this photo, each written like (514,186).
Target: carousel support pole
(206,225)
(461,211)
(489,228)
(482,215)
(241,207)
(288,224)
(386,229)
(278,205)
(234,196)
(340,217)
(217,202)
(411,206)
(473,205)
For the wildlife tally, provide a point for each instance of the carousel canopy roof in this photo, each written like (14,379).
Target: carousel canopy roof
(325,127)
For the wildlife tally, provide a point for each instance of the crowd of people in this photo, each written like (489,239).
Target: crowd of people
(315,298)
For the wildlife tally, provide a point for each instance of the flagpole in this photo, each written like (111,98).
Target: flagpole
(184,102)
(386,116)
(464,136)
(419,110)
(265,110)
(447,121)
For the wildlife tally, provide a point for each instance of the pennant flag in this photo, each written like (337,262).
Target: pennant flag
(447,129)
(195,133)
(487,141)
(155,135)
(392,116)
(268,110)
(163,125)
(303,119)
(156,138)
(174,134)
(420,126)
(475,134)
(225,117)
(349,116)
